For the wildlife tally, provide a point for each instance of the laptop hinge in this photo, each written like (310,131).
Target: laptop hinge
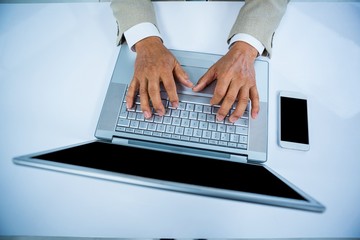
(120,141)
(239,158)
(188,151)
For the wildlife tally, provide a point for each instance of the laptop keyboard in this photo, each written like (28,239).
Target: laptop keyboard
(191,121)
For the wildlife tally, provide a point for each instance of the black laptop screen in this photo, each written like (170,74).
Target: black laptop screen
(174,168)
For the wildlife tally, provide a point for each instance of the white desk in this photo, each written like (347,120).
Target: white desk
(55,64)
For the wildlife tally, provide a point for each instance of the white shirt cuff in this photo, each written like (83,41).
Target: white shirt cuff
(248,39)
(139,32)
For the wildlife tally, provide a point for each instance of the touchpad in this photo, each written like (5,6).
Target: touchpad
(195,73)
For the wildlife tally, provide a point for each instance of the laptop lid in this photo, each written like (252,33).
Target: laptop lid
(195,64)
(255,183)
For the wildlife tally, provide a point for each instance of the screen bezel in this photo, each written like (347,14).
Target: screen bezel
(286,143)
(309,203)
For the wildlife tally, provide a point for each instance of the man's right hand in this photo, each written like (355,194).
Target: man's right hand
(154,65)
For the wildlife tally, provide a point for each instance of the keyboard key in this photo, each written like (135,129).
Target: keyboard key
(123,122)
(123,112)
(185,138)
(176,121)
(212,126)
(179,130)
(198,108)
(215,135)
(243,139)
(193,115)
(185,122)
(197,133)
(207,109)
(143,125)
(194,139)
(241,130)
(203,125)
(184,114)
(174,136)
(175,113)
(225,137)
(167,120)
(188,132)
(160,128)
(202,117)
(194,124)
(132,115)
(170,129)
(231,144)
(230,129)
(210,118)
(134,124)
(206,134)
(190,107)
(140,116)
(242,146)
(242,122)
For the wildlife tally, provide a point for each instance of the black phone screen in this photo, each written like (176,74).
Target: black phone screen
(294,120)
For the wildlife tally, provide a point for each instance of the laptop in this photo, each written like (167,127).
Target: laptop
(187,150)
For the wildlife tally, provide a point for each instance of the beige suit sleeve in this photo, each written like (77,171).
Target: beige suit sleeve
(128,13)
(260,18)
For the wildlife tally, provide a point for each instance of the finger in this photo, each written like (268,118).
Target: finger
(205,80)
(154,93)
(182,76)
(144,100)
(220,90)
(227,102)
(131,93)
(255,102)
(243,100)
(170,87)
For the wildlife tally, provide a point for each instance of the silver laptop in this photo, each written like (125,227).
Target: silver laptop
(185,150)
(192,127)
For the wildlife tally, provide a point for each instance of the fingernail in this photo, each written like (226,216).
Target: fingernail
(160,112)
(232,119)
(254,115)
(147,114)
(219,117)
(174,104)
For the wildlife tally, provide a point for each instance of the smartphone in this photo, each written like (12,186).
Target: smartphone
(293,121)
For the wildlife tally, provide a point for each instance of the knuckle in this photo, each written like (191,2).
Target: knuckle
(219,93)
(143,91)
(152,90)
(243,100)
(230,98)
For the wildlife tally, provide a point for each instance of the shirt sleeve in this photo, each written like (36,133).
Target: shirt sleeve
(248,39)
(139,32)
(260,19)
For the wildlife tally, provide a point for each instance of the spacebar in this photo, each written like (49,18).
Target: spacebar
(193,99)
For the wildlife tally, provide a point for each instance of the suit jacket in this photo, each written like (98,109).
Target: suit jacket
(258,18)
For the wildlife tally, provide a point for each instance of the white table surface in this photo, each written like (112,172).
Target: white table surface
(56,61)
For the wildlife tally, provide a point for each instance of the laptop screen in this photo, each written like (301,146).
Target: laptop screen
(171,167)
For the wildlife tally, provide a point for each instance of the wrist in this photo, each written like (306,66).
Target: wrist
(245,48)
(146,42)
